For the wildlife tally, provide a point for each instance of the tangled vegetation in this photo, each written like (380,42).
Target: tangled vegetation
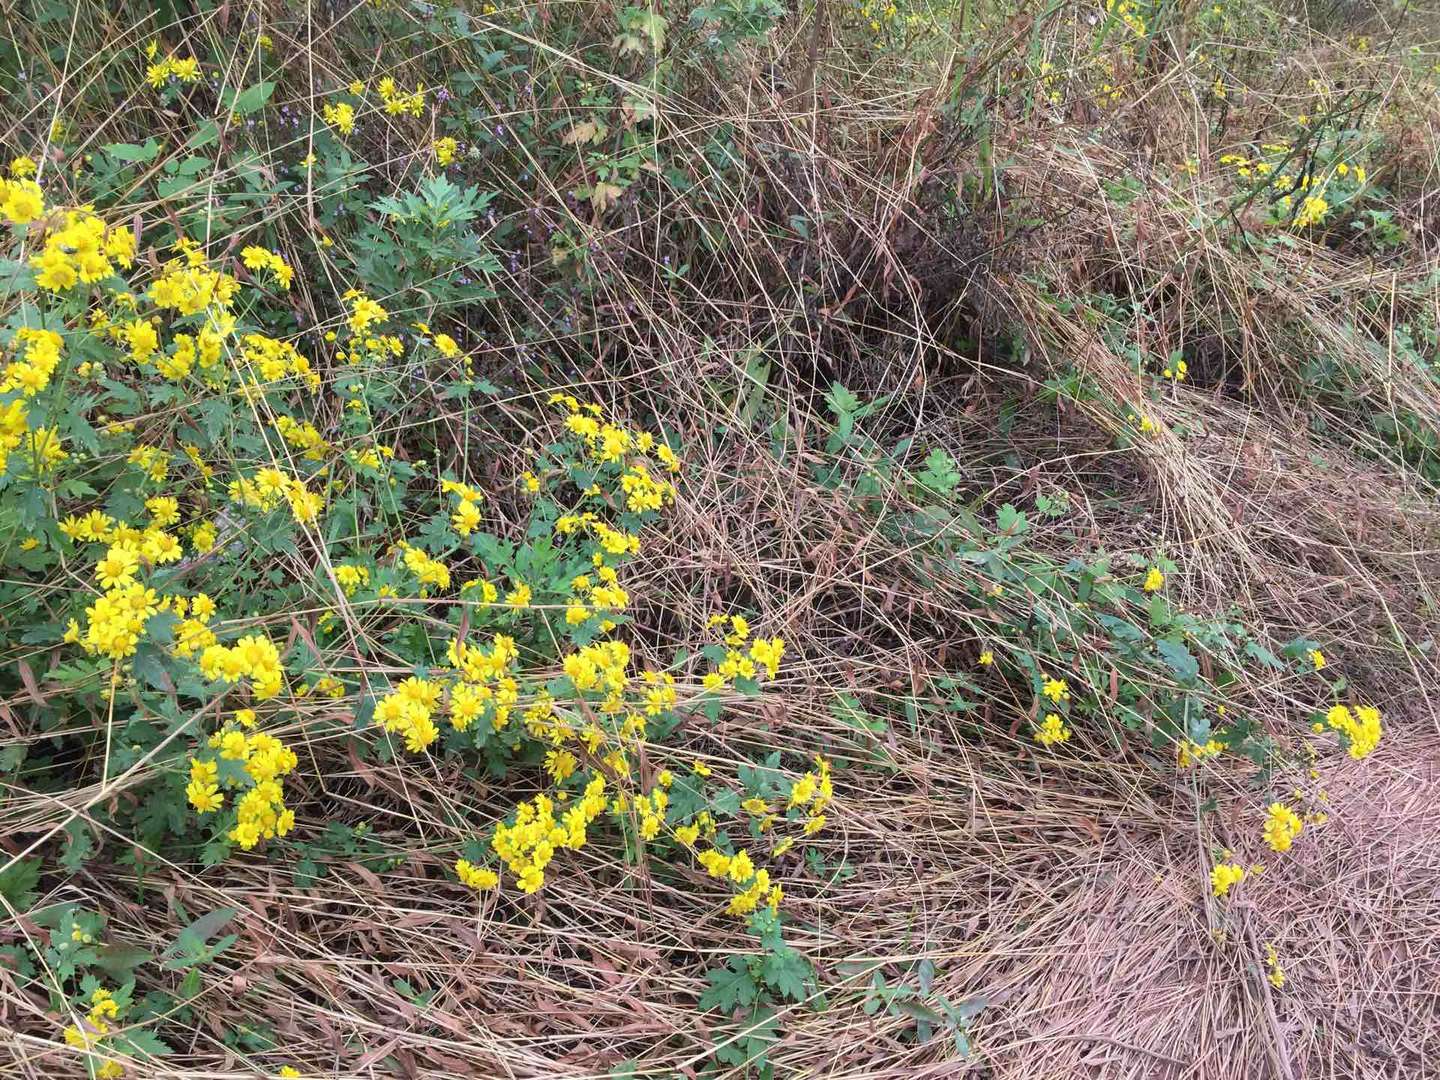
(675,541)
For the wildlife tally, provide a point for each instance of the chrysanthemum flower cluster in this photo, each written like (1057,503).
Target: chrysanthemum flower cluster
(486,689)
(36,354)
(754,886)
(1282,826)
(1052,730)
(760,660)
(583,711)
(1225,876)
(1274,973)
(243,758)
(99,1023)
(1360,728)
(160,72)
(399,103)
(811,794)
(527,846)
(1188,752)
(81,250)
(258,258)
(254,657)
(268,488)
(340,115)
(593,722)
(407,712)
(1318,188)
(115,622)
(430,572)
(21,200)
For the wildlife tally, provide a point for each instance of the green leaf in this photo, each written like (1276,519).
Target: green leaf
(917,1011)
(133,153)
(141,1043)
(968,1009)
(119,961)
(687,798)
(189,946)
(1009,521)
(787,972)
(79,845)
(926,975)
(17,883)
(940,473)
(1256,651)
(203,135)
(765,924)
(848,711)
(714,653)
(726,803)
(1179,659)
(252,98)
(751,1050)
(150,667)
(750,394)
(731,986)
(841,401)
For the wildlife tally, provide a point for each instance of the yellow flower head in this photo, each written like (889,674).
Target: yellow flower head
(1282,826)
(1052,730)
(1224,876)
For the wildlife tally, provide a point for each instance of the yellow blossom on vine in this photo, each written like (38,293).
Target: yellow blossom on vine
(1224,876)
(21,201)
(1188,752)
(1282,826)
(1052,730)
(477,877)
(1361,728)
(407,711)
(1274,973)
(1312,210)
(340,116)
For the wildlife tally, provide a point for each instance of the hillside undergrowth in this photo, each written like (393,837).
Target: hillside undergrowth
(717,541)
